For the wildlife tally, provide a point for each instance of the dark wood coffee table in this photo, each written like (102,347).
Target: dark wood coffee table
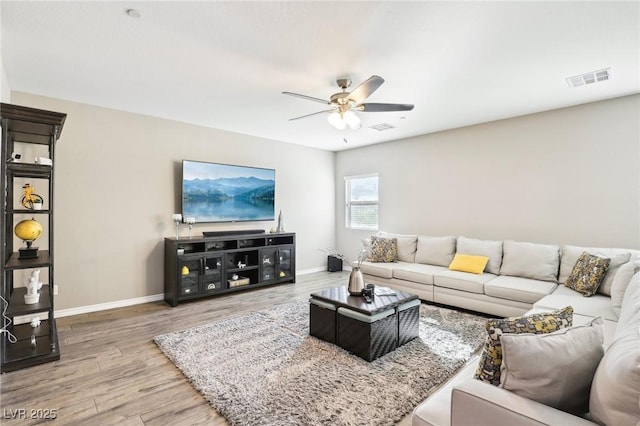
(368,330)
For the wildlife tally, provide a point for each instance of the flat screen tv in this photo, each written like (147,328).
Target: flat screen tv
(213,192)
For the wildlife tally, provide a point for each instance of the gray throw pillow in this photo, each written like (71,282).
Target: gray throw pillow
(555,369)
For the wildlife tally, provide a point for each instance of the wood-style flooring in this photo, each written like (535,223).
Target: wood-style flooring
(111,373)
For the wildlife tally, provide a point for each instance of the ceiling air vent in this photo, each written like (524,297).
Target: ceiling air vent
(382,127)
(589,78)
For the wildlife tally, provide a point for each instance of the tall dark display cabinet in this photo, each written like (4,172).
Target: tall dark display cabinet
(30,134)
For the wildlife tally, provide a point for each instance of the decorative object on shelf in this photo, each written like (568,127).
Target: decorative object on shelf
(37,204)
(234,277)
(32,295)
(190,221)
(35,322)
(241,265)
(239,282)
(185,270)
(44,161)
(28,231)
(280,223)
(15,157)
(177,218)
(30,197)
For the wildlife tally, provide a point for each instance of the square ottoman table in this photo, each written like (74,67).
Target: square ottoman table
(368,330)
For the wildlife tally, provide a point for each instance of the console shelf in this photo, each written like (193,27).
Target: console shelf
(205,266)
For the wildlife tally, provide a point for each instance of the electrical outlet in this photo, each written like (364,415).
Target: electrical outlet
(55,289)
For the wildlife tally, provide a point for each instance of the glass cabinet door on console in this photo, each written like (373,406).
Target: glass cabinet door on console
(212,278)
(199,274)
(268,261)
(285,262)
(276,263)
(189,271)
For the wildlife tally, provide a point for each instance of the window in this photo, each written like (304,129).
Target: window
(362,201)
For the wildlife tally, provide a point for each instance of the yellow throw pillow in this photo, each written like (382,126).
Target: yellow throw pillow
(469,263)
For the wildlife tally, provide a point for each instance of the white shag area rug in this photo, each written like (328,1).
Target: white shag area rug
(263,368)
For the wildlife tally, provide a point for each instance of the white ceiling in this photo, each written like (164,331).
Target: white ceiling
(225,64)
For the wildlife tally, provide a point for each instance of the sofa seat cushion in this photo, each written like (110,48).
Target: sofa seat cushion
(521,289)
(379,269)
(594,306)
(465,281)
(416,272)
(436,410)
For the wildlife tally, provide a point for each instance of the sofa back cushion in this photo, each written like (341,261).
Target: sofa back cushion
(629,305)
(437,251)
(620,283)
(406,245)
(530,260)
(491,249)
(570,255)
(615,390)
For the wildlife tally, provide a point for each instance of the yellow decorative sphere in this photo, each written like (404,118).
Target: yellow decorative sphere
(28,230)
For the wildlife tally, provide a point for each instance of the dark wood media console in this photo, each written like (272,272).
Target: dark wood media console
(209,266)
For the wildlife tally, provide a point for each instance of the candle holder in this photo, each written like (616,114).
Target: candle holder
(190,221)
(177,218)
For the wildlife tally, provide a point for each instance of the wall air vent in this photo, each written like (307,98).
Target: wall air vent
(382,127)
(589,78)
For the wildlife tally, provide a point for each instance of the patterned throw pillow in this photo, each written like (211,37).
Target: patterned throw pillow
(491,358)
(587,274)
(383,249)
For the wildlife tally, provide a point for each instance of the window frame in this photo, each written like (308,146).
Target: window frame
(348,202)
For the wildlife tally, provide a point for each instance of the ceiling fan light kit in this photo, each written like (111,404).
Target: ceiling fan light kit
(345,103)
(341,120)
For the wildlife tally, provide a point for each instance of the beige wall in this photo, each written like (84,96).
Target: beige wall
(565,176)
(117,185)
(5,90)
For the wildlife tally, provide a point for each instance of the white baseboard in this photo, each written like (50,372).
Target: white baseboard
(311,270)
(109,305)
(139,300)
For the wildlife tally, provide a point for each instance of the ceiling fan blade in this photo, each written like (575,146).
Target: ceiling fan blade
(365,90)
(309,98)
(384,107)
(315,113)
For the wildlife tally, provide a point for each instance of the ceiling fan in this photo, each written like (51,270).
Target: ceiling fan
(344,104)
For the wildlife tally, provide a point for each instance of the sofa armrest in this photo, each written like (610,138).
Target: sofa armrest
(478,403)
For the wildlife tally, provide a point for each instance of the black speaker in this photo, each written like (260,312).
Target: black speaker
(334,264)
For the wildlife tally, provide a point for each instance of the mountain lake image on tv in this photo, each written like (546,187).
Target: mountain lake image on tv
(213,192)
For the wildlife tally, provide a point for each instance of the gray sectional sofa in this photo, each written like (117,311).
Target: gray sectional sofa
(523,278)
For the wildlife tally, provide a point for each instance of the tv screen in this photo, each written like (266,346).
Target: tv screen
(213,192)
